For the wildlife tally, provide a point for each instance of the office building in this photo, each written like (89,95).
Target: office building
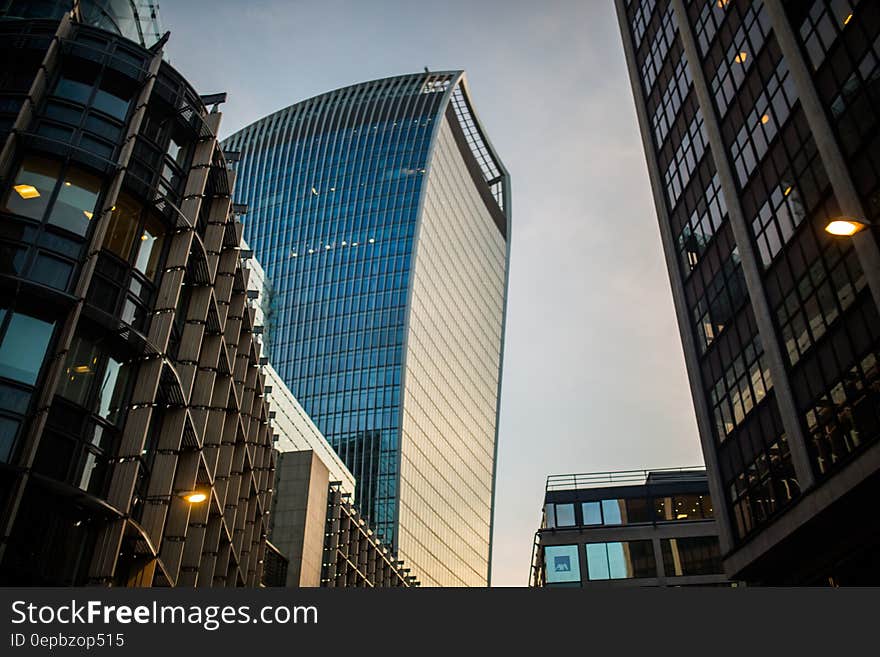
(317,537)
(380,213)
(760,127)
(135,447)
(632,528)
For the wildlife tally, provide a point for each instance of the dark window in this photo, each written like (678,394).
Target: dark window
(699,555)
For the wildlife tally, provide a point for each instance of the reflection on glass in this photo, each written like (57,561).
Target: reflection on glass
(124,225)
(150,249)
(565,515)
(79,371)
(77,198)
(611,511)
(112,390)
(24,346)
(597,561)
(561,563)
(592,513)
(620,560)
(32,188)
(699,555)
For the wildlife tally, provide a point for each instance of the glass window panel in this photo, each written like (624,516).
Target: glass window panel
(618,561)
(113,97)
(111,394)
(562,563)
(8,432)
(79,371)
(76,90)
(77,198)
(565,515)
(51,271)
(23,348)
(592,513)
(124,226)
(699,555)
(150,249)
(32,188)
(638,509)
(597,561)
(549,515)
(611,511)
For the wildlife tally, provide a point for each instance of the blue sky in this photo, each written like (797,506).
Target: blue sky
(594,374)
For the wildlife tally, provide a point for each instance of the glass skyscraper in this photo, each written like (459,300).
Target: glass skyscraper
(380,213)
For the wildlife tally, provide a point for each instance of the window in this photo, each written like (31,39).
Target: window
(688,506)
(561,564)
(126,230)
(87,364)
(77,198)
(611,512)
(25,340)
(150,247)
(79,371)
(123,227)
(699,555)
(565,515)
(592,513)
(32,189)
(620,560)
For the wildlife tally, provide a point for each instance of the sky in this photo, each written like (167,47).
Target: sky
(594,376)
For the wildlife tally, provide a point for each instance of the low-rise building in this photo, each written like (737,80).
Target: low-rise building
(631,528)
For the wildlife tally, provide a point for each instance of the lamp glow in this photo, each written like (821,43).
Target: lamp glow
(26,191)
(195,497)
(845,227)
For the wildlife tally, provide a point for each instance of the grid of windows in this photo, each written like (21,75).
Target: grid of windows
(657,51)
(756,469)
(723,294)
(842,40)
(821,24)
(671,98)
(351,178)
(760,123)
(368,255)
(709,212)
(691,141)
(824,293)
(732,57)
(843,415)
(641,18)
(744,384)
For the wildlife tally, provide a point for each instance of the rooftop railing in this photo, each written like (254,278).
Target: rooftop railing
(624,478)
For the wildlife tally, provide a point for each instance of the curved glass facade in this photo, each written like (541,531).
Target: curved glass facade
(336,191)
(137,20)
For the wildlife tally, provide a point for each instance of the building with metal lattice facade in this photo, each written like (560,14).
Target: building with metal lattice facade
(135,447)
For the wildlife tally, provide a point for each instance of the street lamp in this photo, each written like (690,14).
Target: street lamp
(194,496)
(846,226)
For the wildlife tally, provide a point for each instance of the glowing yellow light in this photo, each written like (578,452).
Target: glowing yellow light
(195,497)
(67,183)
(723,3)
(742,57)
(144,237)
(765,119)
(82,369)
(88,214)
(26,191)
(847,19)
(845,227)
(787,191)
